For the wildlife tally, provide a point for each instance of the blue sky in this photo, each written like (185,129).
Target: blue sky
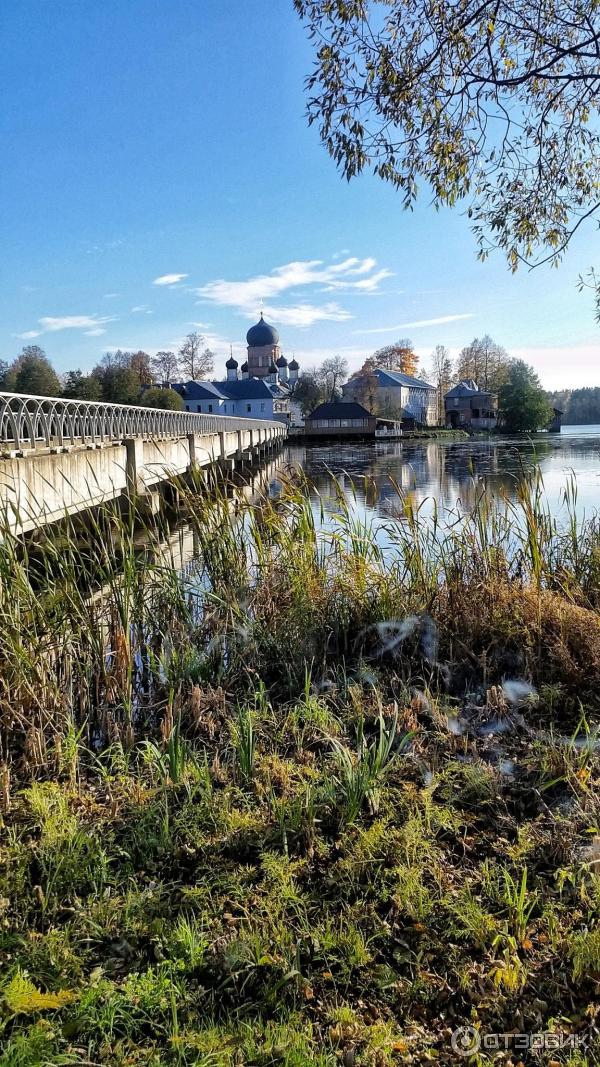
(158,175)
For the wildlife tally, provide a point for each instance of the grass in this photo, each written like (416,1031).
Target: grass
(293,807)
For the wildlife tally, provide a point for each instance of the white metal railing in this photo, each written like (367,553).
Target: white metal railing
(39,421)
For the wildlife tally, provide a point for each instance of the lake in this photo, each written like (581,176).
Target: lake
(451,472)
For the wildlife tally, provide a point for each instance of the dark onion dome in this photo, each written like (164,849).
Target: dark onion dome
(282,361)
(262,334)
(294,365)
(244,366)
(272,368)
(231,363)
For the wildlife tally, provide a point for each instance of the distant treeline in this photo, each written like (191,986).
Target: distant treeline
(579,406)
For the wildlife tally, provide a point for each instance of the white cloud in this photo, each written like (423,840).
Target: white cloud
(110,296)
(351,275)
(92,325)
(419,323)
(52,324)
(169,279)
(303,315)
(141,309)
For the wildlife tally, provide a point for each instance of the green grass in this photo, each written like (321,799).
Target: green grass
(282,810)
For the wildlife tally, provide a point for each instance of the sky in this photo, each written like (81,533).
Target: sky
(158,176)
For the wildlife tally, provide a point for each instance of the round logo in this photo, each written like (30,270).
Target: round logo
(465,1041)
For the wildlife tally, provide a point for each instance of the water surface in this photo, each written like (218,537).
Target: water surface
(452,474)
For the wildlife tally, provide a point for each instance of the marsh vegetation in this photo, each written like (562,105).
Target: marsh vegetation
(308,803)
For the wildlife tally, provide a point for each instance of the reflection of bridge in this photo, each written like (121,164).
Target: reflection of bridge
(60,457)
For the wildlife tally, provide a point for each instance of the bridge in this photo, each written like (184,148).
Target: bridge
(60,457)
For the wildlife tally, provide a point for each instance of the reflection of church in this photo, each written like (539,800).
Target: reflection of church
(260,389)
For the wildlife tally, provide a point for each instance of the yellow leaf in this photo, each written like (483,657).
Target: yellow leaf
(23,998)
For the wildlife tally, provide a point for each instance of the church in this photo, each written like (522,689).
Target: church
(260,389)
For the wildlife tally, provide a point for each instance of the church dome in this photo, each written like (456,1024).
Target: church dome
(294,365)
(244,366)
(262,334)
(231,364)
(282,362)
(272,368)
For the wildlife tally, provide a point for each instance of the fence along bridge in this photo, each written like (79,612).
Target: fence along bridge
(59,457)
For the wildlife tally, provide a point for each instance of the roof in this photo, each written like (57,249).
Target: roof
(262,334)
(396,377)
(467,387)
(199,390)
(340,409)
(245,389)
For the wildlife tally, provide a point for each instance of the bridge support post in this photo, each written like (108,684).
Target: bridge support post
(134,450)
(192,449)
(138,495)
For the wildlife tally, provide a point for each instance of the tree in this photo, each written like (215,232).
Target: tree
(157,397)
(308,391)
(140,365)
(197,360)
(400,356)
(119,382)
(441,377)
(364,388)
(493,103)
(3,372)
(486,362)
(165,366)
(332,372)
(80,386)
(31,372)
(579,406)
(522,402)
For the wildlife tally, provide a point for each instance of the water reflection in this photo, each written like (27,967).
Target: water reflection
(452,474)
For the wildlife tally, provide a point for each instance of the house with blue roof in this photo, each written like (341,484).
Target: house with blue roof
(393,395)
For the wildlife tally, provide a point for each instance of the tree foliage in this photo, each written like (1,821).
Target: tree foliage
(400,356)
(486,362)
(80,386)
(159,397)
(580,407)
(119,379)
(31,372)
(522,402)
(308,391)
(484,101)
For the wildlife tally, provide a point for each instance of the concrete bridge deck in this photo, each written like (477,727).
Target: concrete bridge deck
(59,457)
